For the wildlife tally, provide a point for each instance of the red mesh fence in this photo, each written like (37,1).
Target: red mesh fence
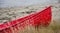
(40,18)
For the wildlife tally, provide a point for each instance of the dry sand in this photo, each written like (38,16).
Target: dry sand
(9,14)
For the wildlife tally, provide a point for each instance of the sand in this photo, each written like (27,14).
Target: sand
(9,14)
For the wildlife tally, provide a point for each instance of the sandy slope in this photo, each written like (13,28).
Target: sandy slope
(8,14)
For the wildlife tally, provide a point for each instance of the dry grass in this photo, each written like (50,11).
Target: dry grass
(53,28)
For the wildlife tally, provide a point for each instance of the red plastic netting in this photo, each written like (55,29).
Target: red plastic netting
(36,19)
